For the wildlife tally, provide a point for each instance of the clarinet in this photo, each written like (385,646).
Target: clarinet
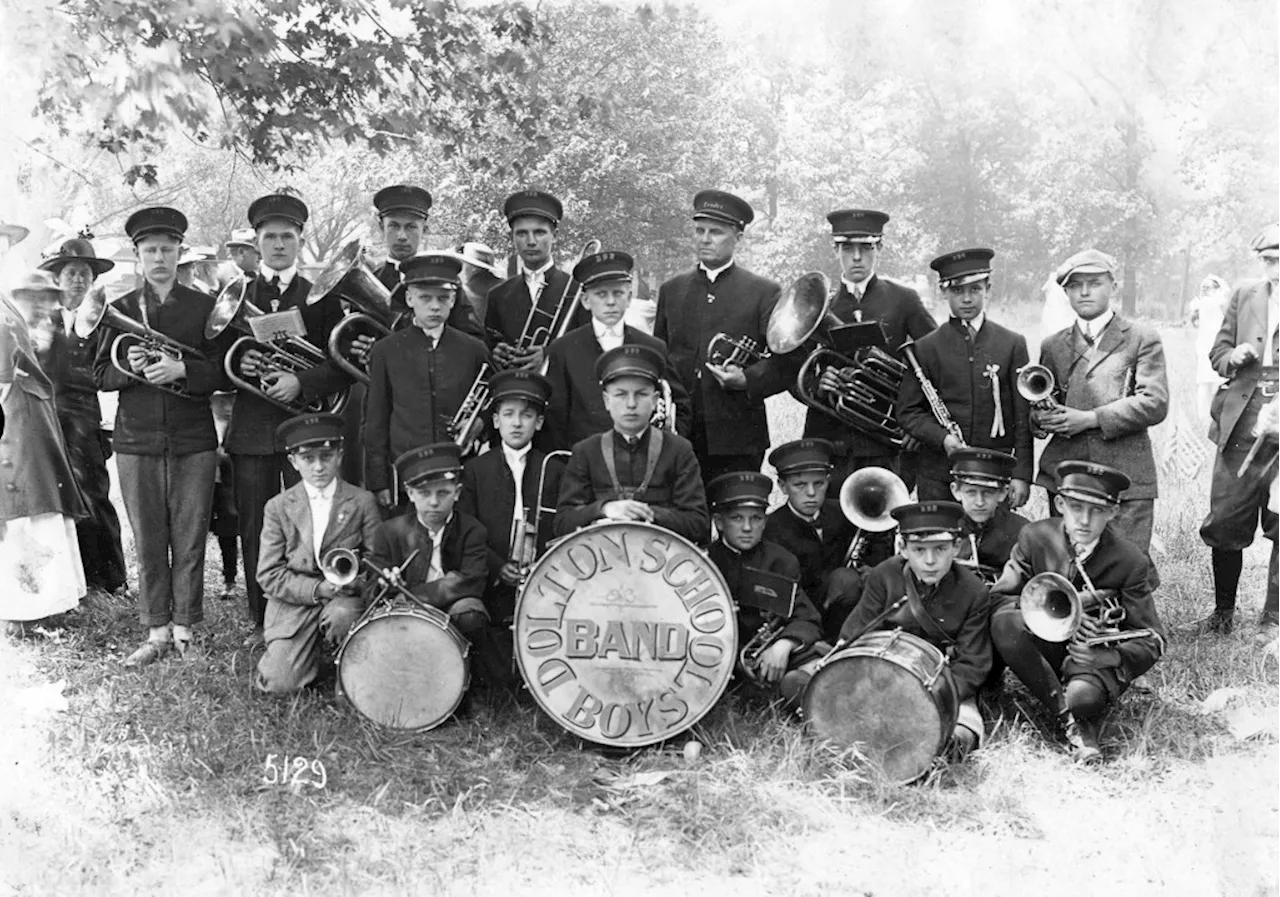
(940,412)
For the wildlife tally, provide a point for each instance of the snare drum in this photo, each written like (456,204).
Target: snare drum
(891,694)
(404,667)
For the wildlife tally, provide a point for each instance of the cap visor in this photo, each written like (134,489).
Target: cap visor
(1094,498)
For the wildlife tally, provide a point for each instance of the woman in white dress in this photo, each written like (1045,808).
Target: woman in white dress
(1207,310)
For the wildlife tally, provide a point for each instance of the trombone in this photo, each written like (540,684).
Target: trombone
(867,499)
(369,309)
(528,536)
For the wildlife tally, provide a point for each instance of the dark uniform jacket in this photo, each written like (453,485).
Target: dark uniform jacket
(960,606)
(691,310)
(509,304)
(675,492)
(1116,563)
(1121,378)
(461,316)
(151,421)
(819,548)
(462,552)
(576,409)
(995,538)
(1245,321)
(804,625)
(72,374)
(899,309)
(956,365)
(252,430)
(414,392)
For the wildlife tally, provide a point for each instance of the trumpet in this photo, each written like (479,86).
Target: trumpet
(768,633)
(936,405)
(743,351)
(340,566)
(96,311)
(369,310)
(289,355)
(1053,609)
(867,499)
(1036,384)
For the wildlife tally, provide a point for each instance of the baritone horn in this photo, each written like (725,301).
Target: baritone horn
(867,500)
(369,311)
(1053,609)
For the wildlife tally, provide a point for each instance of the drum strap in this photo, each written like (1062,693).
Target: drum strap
(926,622)
(650,464)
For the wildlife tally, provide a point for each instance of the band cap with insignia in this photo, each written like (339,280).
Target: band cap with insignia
(438,461)
(958,269)
(1267,242)
(603,267)
(527,385)
(741,489)
(242,237)
(76,249)
(156,220)
(402,198)
(630,361)
(719,205)
(533,202)
(802,456)
(857,226)
(929,521)
(1089,261)
(439,268)
(277,205)
(1094,483)
(982,467)
(310,431)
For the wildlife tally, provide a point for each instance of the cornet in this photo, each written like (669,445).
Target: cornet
(743,352)
(340,566)
(1053,609)
(768,633)
(1036,384)
(867,500)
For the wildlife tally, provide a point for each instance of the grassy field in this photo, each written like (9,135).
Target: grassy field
(158,780)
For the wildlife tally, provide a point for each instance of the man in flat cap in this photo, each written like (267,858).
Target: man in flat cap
(972,364)
(164,435)
(576,409)
(533,217)
(1111,388)
(259,462)
(75,266)
(1244,411)
(730,428)
(243,248)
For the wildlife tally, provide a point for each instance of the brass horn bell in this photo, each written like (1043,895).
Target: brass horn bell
(868,497)
(1051,607)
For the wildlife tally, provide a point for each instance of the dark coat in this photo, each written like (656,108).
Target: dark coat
(818,553)
(1116,563)
(675,493)
(995,540)
(462,551)
(509,304)
(959,604)
(576,409)
(1245,321)
(461,317)
(152,421)
(957,368)
(414,392)
(79,412)
(1121,378)
(804,625)
(252,430)
(691,310)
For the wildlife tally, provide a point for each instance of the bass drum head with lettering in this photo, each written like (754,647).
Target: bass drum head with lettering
(890,694)
(404,668)
(625,634)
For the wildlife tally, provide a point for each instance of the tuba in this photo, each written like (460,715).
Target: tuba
(1052,609)
(288,355)
(96,311)
(867,500)
(368,304)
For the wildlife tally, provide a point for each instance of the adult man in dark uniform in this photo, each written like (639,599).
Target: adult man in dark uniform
(75,266)
(259,463)
(1082,547)
(576,409)
(738,502)
(980,483)
(419,376)
(633,471)
(1243,415)
(730,428)
(533,217)
(165,443)
(972,362)
(864,296)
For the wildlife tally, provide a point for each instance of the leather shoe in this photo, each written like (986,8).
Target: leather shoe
(255,639)
(1268,629)
(1220,622)
(148,654)
(1083,740)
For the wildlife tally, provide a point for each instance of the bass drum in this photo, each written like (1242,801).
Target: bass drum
(625,634)
(892,695)
(404,667)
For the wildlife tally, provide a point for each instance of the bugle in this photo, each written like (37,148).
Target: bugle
(369,312)
(936,405)
(1053,610)
(96,311)
(867,499)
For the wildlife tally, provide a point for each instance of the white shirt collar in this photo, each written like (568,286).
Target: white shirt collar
(286,275)
(1083,551)
(531,274)
(516,456)
(435,533)
(616,331)
(434,334)
(325,494)
(856,289)
(1095,327)
(713,273)
(977,322)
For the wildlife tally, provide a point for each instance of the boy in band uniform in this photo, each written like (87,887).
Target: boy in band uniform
(300,526)
(418,376)
(633,471)
(973,363)
(738,502)
(576,409)
(1074,681)
(980,483)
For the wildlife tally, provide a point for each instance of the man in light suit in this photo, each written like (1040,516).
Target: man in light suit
(1243,415)
(300,525)
(1111,387)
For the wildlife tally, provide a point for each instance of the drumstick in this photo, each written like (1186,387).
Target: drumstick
(876,621)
